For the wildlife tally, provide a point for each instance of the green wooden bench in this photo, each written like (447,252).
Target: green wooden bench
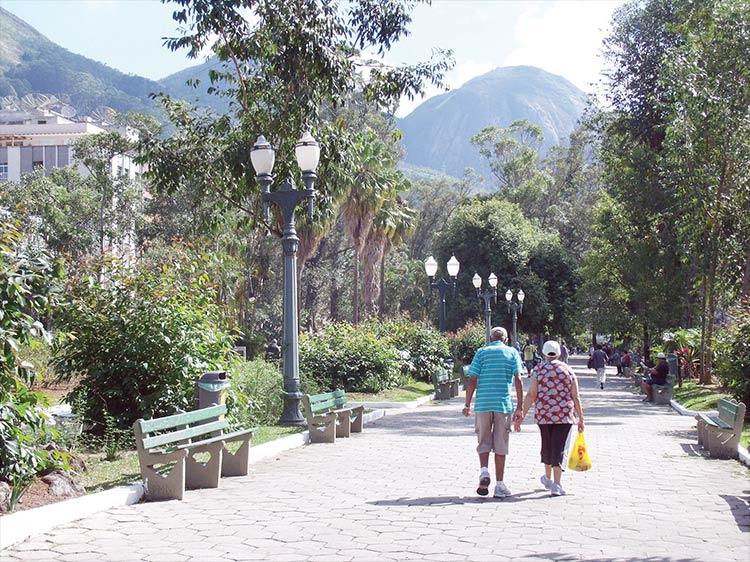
(329,415)
(445,386)
(720,433)
(177,439)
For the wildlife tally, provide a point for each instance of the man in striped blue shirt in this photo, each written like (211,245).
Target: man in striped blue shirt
(494,369)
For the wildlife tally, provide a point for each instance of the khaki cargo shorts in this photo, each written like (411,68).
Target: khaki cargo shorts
(493,432)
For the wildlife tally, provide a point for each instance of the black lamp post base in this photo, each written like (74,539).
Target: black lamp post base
(292,414)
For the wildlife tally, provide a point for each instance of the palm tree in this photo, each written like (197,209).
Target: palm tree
(370,180)
(392,223)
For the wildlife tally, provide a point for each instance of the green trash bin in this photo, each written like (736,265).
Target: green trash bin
(212,388)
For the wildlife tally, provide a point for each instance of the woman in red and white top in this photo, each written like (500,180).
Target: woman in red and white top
(557,406)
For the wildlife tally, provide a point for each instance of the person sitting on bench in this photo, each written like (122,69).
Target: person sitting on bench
(657,375)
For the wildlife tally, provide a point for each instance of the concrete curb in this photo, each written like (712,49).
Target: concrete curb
(744,455)
(19,526)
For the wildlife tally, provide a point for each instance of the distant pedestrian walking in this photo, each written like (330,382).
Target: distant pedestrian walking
(557,406)
(563,352)
(495,368)
(599,362)
(529,350)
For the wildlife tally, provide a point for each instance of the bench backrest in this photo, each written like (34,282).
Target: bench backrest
(731,411)
(326,401)
(166,432)
(440,376)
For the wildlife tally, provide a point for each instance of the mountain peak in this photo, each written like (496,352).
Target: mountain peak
(437,134)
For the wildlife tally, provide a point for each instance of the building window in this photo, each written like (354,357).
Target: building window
(3,171)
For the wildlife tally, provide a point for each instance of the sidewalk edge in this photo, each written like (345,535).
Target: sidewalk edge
(23,524)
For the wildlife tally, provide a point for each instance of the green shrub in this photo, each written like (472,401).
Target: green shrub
(349,357)
(465,342)
(732,361)
(422,349)
(140,338)
(29,290)
(255,395)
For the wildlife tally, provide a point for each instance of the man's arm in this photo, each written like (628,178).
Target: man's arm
(517,416)
(471,385)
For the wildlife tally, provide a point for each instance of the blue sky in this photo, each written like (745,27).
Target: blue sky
(560,36)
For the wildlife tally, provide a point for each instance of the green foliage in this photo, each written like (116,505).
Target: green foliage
(29,288)
(139,340)
(350,357)
(465,342)
(422,348)
(372,356)
(255,395)
(491,235)
(733,355)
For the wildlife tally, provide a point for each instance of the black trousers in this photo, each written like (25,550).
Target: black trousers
(554,437)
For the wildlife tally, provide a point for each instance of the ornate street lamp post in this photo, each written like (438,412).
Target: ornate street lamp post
(487,294)
(516,308)
(262,155)
(430,267)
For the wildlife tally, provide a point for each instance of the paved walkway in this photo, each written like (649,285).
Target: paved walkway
(405,490)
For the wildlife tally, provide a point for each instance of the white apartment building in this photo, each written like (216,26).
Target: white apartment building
(40,138)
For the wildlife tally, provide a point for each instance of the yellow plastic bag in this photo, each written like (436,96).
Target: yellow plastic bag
(579,455)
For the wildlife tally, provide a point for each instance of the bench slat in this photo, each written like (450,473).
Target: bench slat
(714,420)
(182,434)
(187,418)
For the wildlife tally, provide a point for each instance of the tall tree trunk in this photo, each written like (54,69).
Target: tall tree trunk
(355,289)
(745,294)
(333,308)
(371,257)
(706,375)
(381,298)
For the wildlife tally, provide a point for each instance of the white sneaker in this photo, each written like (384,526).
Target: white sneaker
(501,490)
(546,482)
(484,483)
(557,490)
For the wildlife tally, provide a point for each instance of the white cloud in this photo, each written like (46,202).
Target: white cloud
(564,37)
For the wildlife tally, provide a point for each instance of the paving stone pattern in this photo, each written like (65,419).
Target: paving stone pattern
(405,490)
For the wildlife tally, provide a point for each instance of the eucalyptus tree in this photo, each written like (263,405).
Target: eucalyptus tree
(119,197)
(512,154)
(284,64)
(707,143)
(648,267)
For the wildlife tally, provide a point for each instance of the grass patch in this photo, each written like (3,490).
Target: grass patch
(694,396)
(412,391)
(268,433)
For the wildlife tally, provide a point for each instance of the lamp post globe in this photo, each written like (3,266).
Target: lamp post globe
(486,294)
(430,268)
(515,308)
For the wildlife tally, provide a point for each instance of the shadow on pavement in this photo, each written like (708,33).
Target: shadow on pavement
(692,449)
(557,556)
(740,507)
(438,501)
